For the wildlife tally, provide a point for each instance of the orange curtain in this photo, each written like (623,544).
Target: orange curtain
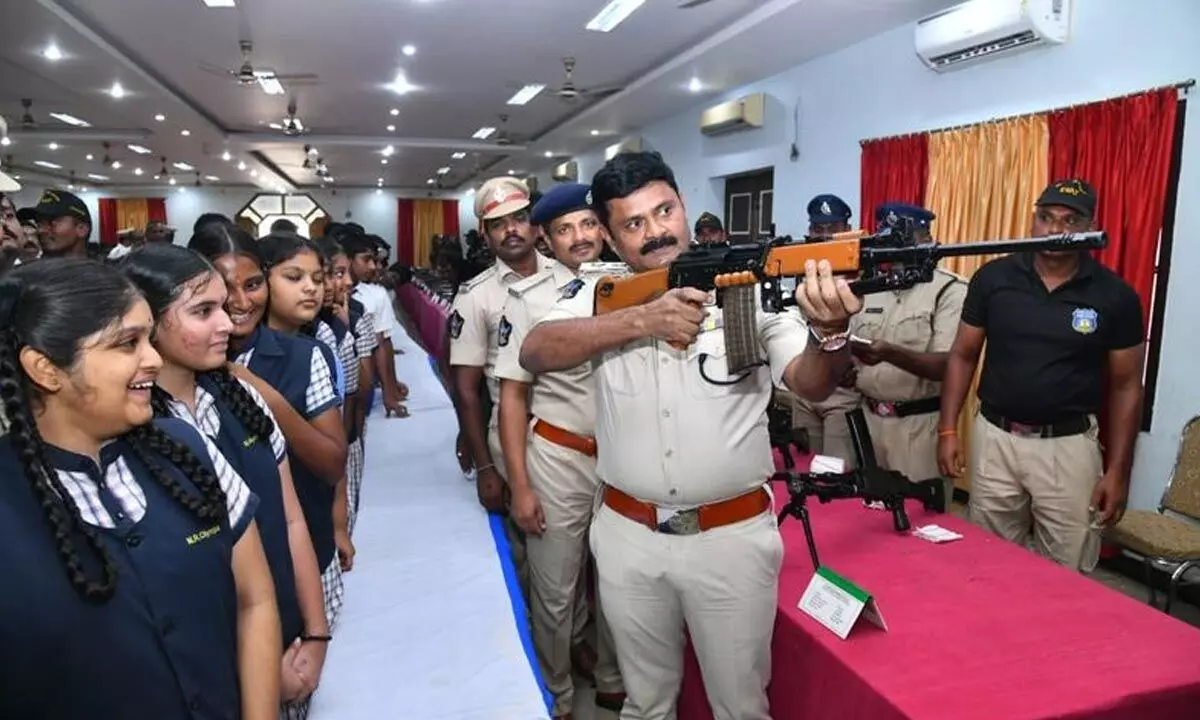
(427,221)
(983,183)
(132,213)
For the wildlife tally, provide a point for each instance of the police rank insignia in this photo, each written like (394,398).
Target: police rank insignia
(825,209)
(454,324)
(1084,320)
(572,289)
(504,331)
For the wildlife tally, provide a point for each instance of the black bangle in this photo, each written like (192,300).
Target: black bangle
(315,638)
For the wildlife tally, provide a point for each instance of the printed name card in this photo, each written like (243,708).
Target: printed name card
(837,603)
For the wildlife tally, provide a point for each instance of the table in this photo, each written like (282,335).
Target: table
(428,315)
(979,629)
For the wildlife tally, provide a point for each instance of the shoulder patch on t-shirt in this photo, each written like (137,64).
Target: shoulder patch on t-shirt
(504,331)
(454,324)
(572,289)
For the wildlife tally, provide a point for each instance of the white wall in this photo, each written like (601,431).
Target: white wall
(879,87)
(375,211)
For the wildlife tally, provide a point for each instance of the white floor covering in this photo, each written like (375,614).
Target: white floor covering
(427,631)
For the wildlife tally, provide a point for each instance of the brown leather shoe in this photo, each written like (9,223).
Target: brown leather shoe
(610,701)
(583,661)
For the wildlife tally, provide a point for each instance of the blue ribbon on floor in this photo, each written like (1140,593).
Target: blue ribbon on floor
(520,612)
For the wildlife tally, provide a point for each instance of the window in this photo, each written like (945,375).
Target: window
(264,210)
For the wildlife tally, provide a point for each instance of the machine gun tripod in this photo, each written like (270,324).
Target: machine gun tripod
(868,481)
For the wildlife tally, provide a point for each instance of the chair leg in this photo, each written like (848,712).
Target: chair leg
(1149,578)
(1173,586)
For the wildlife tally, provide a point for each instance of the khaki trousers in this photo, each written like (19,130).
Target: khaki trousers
(1044,486)
(825,423)
(516,538)
(723,585)
(565,483)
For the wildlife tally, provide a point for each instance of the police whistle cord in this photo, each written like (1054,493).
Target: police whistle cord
(868,481)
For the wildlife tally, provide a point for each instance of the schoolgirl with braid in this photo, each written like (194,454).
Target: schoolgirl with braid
(135,582)
(294,374)
(191,332)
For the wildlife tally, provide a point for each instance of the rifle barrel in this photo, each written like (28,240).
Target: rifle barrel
(1070,241)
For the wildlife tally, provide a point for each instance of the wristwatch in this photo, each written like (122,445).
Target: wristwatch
(830,343)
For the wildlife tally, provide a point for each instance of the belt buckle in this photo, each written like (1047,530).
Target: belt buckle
(1023,430)
(684,522)
(885,409)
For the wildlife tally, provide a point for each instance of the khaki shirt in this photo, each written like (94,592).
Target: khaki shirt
(565,398)
(923,318)
(668,436)
(474,323)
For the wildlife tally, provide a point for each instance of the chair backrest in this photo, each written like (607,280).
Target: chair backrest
(1183,492)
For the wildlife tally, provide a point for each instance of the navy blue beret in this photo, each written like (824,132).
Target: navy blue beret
(827,209)
(560,200)
(916,213)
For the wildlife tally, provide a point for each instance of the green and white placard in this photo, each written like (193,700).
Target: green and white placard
(837,603)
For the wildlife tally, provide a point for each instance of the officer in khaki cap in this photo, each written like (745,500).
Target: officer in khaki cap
(910,333)
(502,206)
(552,470)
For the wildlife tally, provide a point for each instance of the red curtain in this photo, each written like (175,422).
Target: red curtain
(893,170)
(404,232)
(1123,149)
(108,221)
(450,217)
(156,209)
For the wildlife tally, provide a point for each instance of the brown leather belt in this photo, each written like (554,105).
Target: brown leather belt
(565,438)
(695,520)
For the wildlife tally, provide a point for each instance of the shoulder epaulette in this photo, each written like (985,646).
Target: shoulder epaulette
(523,285)
(478,280)
(950,275)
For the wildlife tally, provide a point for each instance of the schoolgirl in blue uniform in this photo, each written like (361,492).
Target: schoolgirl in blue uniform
(191,333)
(135,583)
(295,377)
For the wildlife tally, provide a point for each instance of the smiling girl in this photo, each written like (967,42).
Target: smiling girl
(295,378)
(135,580)
(191,333)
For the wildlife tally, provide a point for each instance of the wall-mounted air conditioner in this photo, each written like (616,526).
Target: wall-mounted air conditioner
(979,30)
(631,145)
(566,172)
(741,114)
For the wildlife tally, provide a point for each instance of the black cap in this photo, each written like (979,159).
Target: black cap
(709,221)
(889,212)
(1075,194)
(827,209)
(54,204)
(560,200)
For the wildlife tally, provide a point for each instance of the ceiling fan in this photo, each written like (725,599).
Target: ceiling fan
(266,78)
(569,92)
(290,125)
(503,136)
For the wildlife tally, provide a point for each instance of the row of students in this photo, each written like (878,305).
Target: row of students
(238,484)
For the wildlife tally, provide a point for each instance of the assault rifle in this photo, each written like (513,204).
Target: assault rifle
(888,260)
(868,481)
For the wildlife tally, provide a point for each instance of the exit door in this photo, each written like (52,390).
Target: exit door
(749,206)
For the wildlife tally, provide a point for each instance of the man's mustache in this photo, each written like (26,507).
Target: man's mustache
(659,243)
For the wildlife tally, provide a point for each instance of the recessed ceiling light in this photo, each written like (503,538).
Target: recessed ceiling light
(171,181)
(212,178)
(97,177)
(430,181)
(549,154)
(140,149)
(391,128)
(70,120)
(695,85)
(137,171)
(183,166)
(116,91)
(409,50)
(383,161)
(388,151)
(395,112)
(613,14)
(400,85)
(160,117)
(53,146)
(219,3)
(43,163)
(253,173)
(52,53)
(91,156)
(595,133)
(241,166)
(458,155)
(378,191)
(157,177)
(83,188)
(275,126)
(185,133)
(379,180)
(443,170)
(116,165)
(484,133)
(226,156)
(6,141)
(526,94)
(512,172)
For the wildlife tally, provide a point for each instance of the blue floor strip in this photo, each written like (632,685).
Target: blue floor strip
(520,612)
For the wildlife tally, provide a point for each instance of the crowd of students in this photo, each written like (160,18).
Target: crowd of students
(189,423)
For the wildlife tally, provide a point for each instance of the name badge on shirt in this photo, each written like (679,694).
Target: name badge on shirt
(203,535)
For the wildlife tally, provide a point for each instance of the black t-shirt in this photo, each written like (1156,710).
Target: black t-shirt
(1046,350)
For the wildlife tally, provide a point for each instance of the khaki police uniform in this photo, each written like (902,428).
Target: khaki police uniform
(561,458)
(681,452)
(902,409)
(825,423)
(474,328)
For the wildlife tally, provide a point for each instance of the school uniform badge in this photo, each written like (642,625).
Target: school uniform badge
(504,332)
(454,324)
(1084,320)
(572,289)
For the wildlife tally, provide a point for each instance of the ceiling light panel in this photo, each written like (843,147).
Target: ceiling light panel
(70,120)
(484,133)
(458,155)
(140,149)
(94,176)
(43,163)
(613,14)
(52,53)
(220,3)
(271,85)
(526,94)
(183,166)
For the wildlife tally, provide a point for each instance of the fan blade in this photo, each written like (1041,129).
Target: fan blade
(298,77)
(601,91)
(216,70)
